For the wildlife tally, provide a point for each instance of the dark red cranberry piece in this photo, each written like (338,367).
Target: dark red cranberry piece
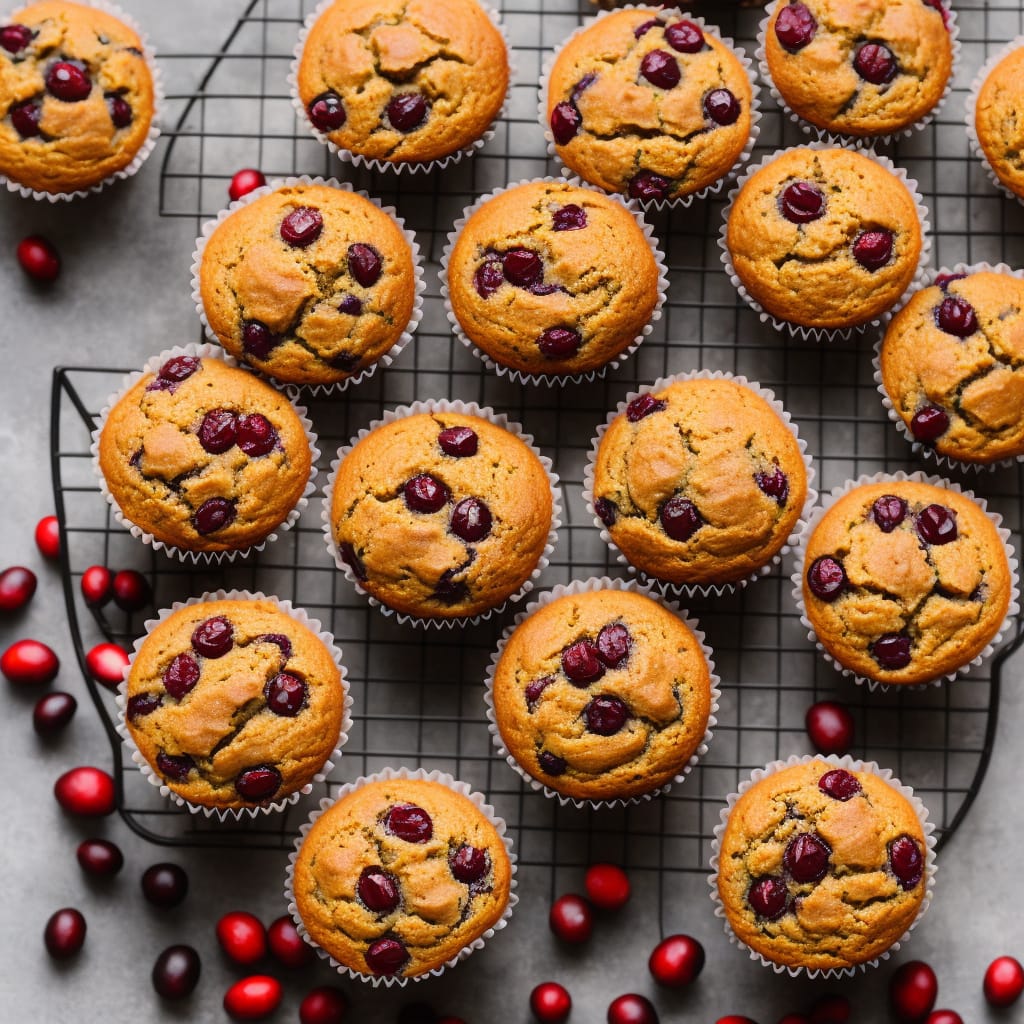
(826,578)
(256,436)
(613,643)
(660,68)
(106,663)
(120,110)
(67,81)
(606,511)
(581,662)
(407,111)
(344,361)
(286,944)
(459,442)
(642,406)
(213,638)
(830,1008)
(906,861)
(795,27)
(569,218)
(768,897)
(14,38)
(875,63)
(892,651)
(550,1002)
(489,277)
(912,990)
(183,673)
(943,281)
(217,431)
(53,712)
(64,934)
(38,258)
(583,84)
(258,783)
(378,890)
(242,937)
(551,764)
(86,791)
(839,784)
(721,107)
(327,112)
(1004,981)
(131,590)
(350,305)
(257,339)
(469,864)
(680,518)
(99,857)
(535,689)
(649,187)
(143,704)
(565,123)
(606,715)
(285,694)
(936,524)
(450,590)
(426,494)
(802,202)
(944,1017)
(956,316)
(176,972)
(806,858)
(178,369)
(409,822)
(364,263)
(888,512)
(174,767)
(684,37)
(830,727)
(30,663)
(559,342)
(641,30)
(571,919)
(47,537)
(676,961)
(352,560)
(607,886)
(279,639)
(214,514)
(247,180)
(522,267)
(302,226)
(253,998)
(25,118)
(323,1005)
(17,585)
(386,956)
(873,249)
(471,520)
(775,484)
(164,885)
(632,1008)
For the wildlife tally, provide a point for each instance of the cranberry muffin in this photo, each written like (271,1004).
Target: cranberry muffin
(401,877)
(873,68)
(824,238)
(651,104)
(76,97)
(996,121)
(904,582)
(699,482)
(440,515)
(234,703)
(550,278)
(951,366)
(204,457)
(602,695)
(402,82)
(309,283)
(822,867)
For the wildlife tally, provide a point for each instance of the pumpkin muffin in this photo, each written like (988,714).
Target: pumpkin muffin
(996,118)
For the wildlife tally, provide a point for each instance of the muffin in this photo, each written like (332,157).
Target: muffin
(602,694)
(699,482)
(234,703)
(874,68)
(439,515)
(402,82)
(950,366)
(309,283)
(824,238)
(549,278)
(903,581)
(76,97)
(401,876)
(820,867)
(996,120)
(651,104)
(203,457)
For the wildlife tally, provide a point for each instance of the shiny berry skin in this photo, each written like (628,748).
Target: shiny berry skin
(106,664)
(459,442)
(53,712)
(768,898)
(892,651)
(85,791)
(302,227)
(68,82)
(48,537)
(571,919)
(581,662)
(913,988)
(176,972)
(956,316)
(17,585)
(247,180)
(680,518)
(826,578)
(364,263)
(469,864)
(378,890)
(559,342)
(323,1005)
(830,727)
(802,203)
(164,885)
(258,783)
(213,637)
(888,512)
(806,858)
(676,961)
(830,1009)
(735,1018)
(214,514)
(119,109)
(722,107)
(99,857)
(285,694)
(936,524)
(944,1017)
(551,764)
(471,520)
(522,267)
(386,956)
(565,123)
(180,676)
(684,37)
(38,258)
(242,937)
(569,218)
(873,249)
(256,436)
(607,886)
(774,485)
(29,663)
(1004,981)
(606,715)
(64,933)
(641,30)
(613,644)
(606,511)
(25,119)
(425,494)
(795,27)
(875,63)
(906,861)
(286,944)
(929,424)
(534,690)
(253,998)
(410,823)
(632,1009)
(550,1003)
(661,69)
(97,586)
(489,277)
(178,369)
(642,406)
(14,37)
(218,431)
(407,111)
(326,111)
(839,784)
(257,339)
(131,590)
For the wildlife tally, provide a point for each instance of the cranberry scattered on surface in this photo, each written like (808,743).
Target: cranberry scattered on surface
(936,524)
(489,277)
(407,111)
(286,944)
(888,512)
(569,218)
(256,435)
(131,590)
(676,961)
(768,897)
(378,890)
(559,342)
(956,316)
(242,937)
(17,585)
(326,111)
(253,998)
(906,861)
(839,784)
(649,187)
(632,1008)
(1004,981)
(425,494)
(571,919)
(213,637)
(25,119)
(119,109)
(613,643)
(944,1017)
(386,956)
(929,423)
(218,431)
(106,664)
(607,886)
(806,858)
(830,727)
(38,258)
(642,406)
(722,107)
(826,578)
(459,442)
(302,227)
(247,180)
(875,63)
(795,27)
(176,972)
(684,37)
(551,764)
(29,663)
(913,988)
(47,537)
(581,662)
(285,694)
(802,202)
(257,339)
(892,651)
(661,69)
(364,263)
(258,783)
(774,485)
(164,885)
(469,864)
(680,518)
(85,791)
(99,857)
(323,1005)
(64,933)
(471,520)
(606,715)
(67,81)
(606,511)
(565,123)
(214,514)
(97,586)
(535,689)
(14,37)
(830,1008)
(550,1003)
(409,822)
(873,249)
(53,712)
(735,1018)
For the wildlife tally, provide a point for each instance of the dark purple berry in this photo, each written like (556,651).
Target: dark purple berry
(559,342)
(581,662)
(565,123)
(826,578)
(213,515)
(344,361)
(364,263)
(795,27)
(489,277)
(802,202)
(181,676)
(680,518)
(661,69)
(943,281)
(99,857)
(684,37)
(378,890)
(606,511)
(641,30)
(888,512)
(276,638)
(217,431)
(25,118)
(175,768)
(327,112)
(213,638)
(774,484)
(522,267)
(569,218)
(722,107)
(875,63)
(426,494)
(839,784)
(176,972)
(929,424)
(892,651)
(768,898)
(257,339)
(258,783)
(409,823)
(583,84)
(53,712)
(256,436)
(551,764)
(64,934)
(649,187)
(407,111)
(352,560)
(642,406)
(164,885)
(285,694)
(535,689)
(936,524)
(806,858)
(120,110)
(386,956)
(873,249)
(178,369)
(350,305)
(68,82)
(606,715)
(906,861)
(143,704)
(459,442)
(956,316)
(469,864)
(471,520)
(14,37)
(613,643)
(302,227)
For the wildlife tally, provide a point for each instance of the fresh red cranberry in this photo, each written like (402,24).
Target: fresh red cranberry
(256,436)
(286,944)
(1004,981)
(956,316)
(912,991)
(247,180)
(830,1009)
(642,406)
(386,956)
(25,119)
(892,651)
(826,578)
(176,972)
(218,431)
(559,342)
(875,63)
(178,369)
(469,864)
(64,933)
(174,767)
(535,689)
(936,524)
(632,1009)
(830,727)
(213,637)
(17,585)
(214,514)
(119,109)
(99,857)
(409,823)
(806,858)
(68,82)
(257,339)
(680,518)
(565,123)
(551,764)
(97,586)
(607,886)
(522,267)
(581,662)
(802,202)
(606,715)
(143,704)
(873,249)
(684,37)
(53,712)
(795,27)
(888,512)
(323,1005)
(29,663)
(489,277)
(722,107)
(571,919)
(735,1018)
(606,510)
(407,111)
(613,643)
(426,494)
(36,255)
(302,227)
(569,218)
(660,68)
(929,424)
(471,520)
(768,897)
(649,187)
(131,590)
(14,37)
(258,784)
(906,861)
(253,998)
(364,263)
(181,675)
(164,885)
(326,111)
(550,1003)
(242,937)
(106,664)
(47,537)
(839,784)
(775,484)
(285,695)
(676,961)
(459,442)
(352,560)
(944,1017)
(378,890)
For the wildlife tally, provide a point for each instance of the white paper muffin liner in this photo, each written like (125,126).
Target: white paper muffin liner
(463,789)
(589,586)
(827,333)
(398,166)
(679,202)
(679,590)
(235,813)
(828,500)
(832,135)
(850,764)
(149,55)
(153,364)
(927,450)
(465,409)
(553,380)
(971,112)
(315,390)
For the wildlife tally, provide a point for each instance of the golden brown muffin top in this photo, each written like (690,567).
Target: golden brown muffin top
(999,120)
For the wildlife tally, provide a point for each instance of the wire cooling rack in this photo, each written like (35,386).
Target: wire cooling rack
(419,695)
